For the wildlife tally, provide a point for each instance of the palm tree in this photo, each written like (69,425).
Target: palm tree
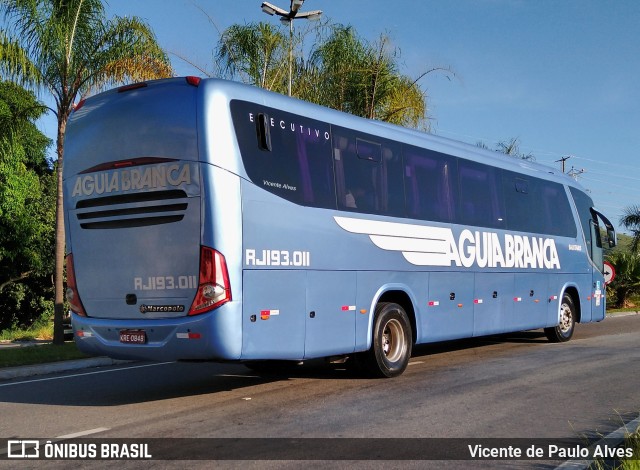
(256,53)
(342,71)
(631,220)
(510,147)
(68,48)
(362,78)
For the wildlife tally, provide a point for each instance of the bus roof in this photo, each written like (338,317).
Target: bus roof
(234,90)
(227,91)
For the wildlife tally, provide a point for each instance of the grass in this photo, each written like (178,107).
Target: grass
(38,354)
(623,310)
(37,331)
(632,441)
(35,353)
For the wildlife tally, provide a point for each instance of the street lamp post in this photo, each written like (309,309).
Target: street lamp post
(287,17)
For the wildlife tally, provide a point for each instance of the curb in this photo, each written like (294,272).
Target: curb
(9,373)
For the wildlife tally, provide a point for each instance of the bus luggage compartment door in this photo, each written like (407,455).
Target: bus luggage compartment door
(331,313)
(273,323)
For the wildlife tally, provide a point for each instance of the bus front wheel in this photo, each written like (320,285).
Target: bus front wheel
(391,342)
(564,330)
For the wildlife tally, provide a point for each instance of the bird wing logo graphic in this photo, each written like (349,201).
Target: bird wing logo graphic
(420,245)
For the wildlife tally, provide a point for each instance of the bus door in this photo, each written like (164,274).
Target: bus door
(598,304)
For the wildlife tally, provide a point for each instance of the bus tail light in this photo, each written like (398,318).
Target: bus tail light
(75,304)
(213,286)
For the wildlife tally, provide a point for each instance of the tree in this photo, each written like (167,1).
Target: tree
(256,52)
(631,221)
(21,229)
(342,71)
(627,280)
(68,48)
(27,202)
(362,78)
(511,148)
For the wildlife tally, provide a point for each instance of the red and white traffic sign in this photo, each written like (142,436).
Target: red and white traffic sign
(609,272)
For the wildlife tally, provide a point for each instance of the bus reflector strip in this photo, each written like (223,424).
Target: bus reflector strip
(84,334)
(188,335)
(266,314)
(477,301)
(433,303)
(348,308)
(553,297)
(517,299)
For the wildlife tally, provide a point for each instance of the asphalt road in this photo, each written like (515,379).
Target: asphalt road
(508,386)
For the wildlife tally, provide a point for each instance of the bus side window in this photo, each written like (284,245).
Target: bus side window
(583,205)
(537,206)
(296,166)
(368,174)
(428,185)
(481,200)
(521,202)
(556,210)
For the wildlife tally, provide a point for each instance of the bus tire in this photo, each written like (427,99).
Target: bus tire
(391,342)
(564,330)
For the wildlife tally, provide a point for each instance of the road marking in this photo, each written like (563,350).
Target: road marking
(82,433)
(66,436)
(415,362)
(85,373)
(247,376)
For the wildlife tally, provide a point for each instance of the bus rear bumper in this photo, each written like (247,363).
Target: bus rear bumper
(185,338)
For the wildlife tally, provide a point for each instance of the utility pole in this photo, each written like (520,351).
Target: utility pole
(286,18)
(562,160)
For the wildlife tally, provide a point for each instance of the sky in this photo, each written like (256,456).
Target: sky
(562,76)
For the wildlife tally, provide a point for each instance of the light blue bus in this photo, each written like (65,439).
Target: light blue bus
(208,220)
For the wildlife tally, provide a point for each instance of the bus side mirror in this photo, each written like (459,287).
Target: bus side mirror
(611,238)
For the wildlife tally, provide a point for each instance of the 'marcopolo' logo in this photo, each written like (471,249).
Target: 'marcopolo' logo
(161,308)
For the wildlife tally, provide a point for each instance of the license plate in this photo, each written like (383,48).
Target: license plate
(133,336)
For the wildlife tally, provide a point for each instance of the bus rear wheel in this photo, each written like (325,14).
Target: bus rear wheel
(564,330)
(391,342)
